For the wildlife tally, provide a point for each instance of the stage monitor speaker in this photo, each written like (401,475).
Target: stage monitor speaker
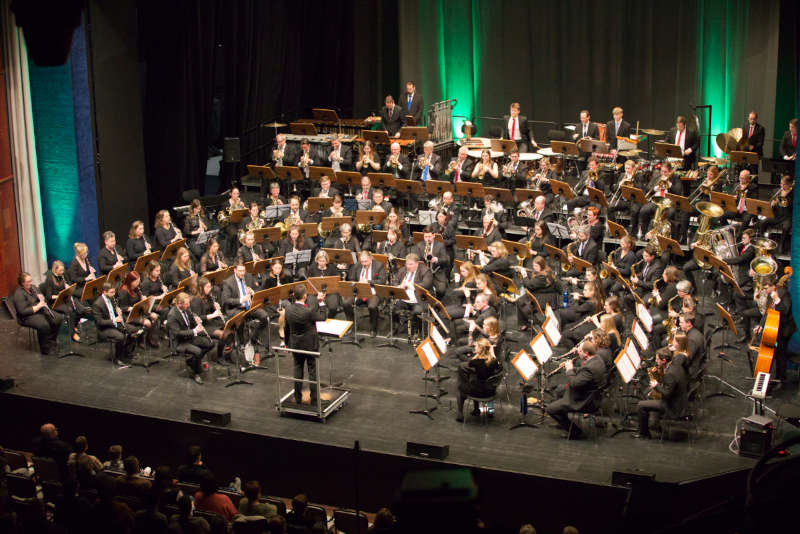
(210,417)
(426,450)
(231,150)
(6,383)
(755,435)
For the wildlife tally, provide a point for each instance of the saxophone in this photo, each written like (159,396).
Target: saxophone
(657,374)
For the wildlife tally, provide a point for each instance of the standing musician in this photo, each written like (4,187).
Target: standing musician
(746,188)
(80,269)
(209,311)
(190,337)
(237,295)
(782,203)
(780,300)
(789,142)
(393,246)
(486,166)
(194,225)
(542,283)
(213,259)
(366,271)
(740,263)
(301,322)
(631,178)
(283,154)
(165,232)
(754,133)
(514,173)
(130,292)
(428,164)
(643,275)
(673,389)
(304,158)
(435,256)
(368,160)
(412,103)
(295,242)
(323,267)
(72,308)
(622,259)
(460,167)
(181,268)
(392,118)
(33,312)
(137,243)
(685,138)
(110,256)
(111,325)
(340,156)
(586,129)
(581,393)
(474,375)
(517,129)
(231,230)
(412,273)
(397,163)
(617,127)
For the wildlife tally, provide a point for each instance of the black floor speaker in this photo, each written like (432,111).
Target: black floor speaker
(210,417)
(231,150)
(427,450)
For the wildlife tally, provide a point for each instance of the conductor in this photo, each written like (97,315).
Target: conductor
(301,318)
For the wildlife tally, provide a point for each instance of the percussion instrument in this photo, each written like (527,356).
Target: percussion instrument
(477,153)
(529,156)
(653,132)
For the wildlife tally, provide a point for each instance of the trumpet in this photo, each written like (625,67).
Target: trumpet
(451,167)
(277,154)
(507,169)
(305,161)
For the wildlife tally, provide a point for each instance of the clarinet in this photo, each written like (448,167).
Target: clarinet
(118,311)
(35,292)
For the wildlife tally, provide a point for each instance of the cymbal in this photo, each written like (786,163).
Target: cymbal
(709,159)
(274,125)
(632,153)
(736,133)
(726,142)
(653,132)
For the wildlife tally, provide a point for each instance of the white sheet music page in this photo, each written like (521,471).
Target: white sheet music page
(644,316)
(441,344)
(550,328)
(430,354)
(525,365)
(633,354)
(640,335)
(548,311)
(541,349)
(625,368)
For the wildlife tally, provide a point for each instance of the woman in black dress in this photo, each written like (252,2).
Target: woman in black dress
(194,225)
(368,160)
(212,260)
(137,243)
(322,267)
(80,268)
(181,268)
(210,312)
(295,242)
(498,260)
(152,285)
(72,308)
(276,277)
(543,285)
(130,292)
(474,376)
(165,232)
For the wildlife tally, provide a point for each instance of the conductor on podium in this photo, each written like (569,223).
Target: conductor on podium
(301,319)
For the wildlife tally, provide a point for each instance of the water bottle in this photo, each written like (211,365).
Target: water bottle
(566,299)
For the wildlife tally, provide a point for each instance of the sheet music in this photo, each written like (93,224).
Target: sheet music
(334,327)
(633,354)
(364,205)
(640,335)
(541,349)
(439,320)
(426,217)
(525,365)
(644,316)
(430,354)
(550,328)
(626,369)
(205,237)
(412,296)
(558,230)
(275,212)
(441,344)
(548,311)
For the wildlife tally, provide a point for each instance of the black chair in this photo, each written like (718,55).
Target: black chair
(21,487)
(347,521)
(316,514)
(589,415)
(252,524)
(278,503)
(483,401)
(16,460)
(33,337)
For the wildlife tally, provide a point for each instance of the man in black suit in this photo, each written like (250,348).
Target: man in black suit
(515,128)
(782,302)
(364,193)
(110,256)
(340,156)
(687,139)
(789,142)
(31,308)
(474,316)
(434,254)
(428,165)
(754,133)
(301,329)
(365,271)
(617,128)
(48,445)
(392,118)
(449,207)
(746,188)
(325,189)
(586,128)
(188,334)
(283,154)
(580,392)
(460,167)
(237,294)
(397,163)
(412,103)
(697,348)
(646,273)
(674,389)
(111,325)
(540,210)
(413,273)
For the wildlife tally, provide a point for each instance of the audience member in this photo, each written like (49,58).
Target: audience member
(296,520)
(166,485)
(527,528)
(250,505)
(384,522)
(109,514)
(209,500)
(48,445)
(184,523)
(194,470)
(114,461)
(133,484)
(80,456)
(276,525)
(150,520)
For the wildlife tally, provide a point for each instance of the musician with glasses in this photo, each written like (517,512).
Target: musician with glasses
(32,311)
(435,256)
(782,203)
(428,165)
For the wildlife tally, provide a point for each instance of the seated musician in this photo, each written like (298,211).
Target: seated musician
(181,268)
(643,276)
(782,203)
(237,295)
(393,246)
(542,283)
(681,301)
(685,138)
(473,376)
(151,282)
(428,165)
(367,271)
(673,389)
(540,179)
(606,348)
(622,259)
(250,250)
(789,142)
(130,292)
(585,249)
(323,267)
(296,214)
(137,243)
(746,188)
(740,267)
(460,167)
(110,256)
(340,156)
(413,273)
(466,308)
(392,117)
(111,325)
(364,193)
(465,278)
(576,319)
(397,164)
(213,259)
(80,269)
(581,393)
(696,349)
(450,207)
(204,306)
(253,220)
(486,166)
(295,242)
(664,291)
(368,161)
(72,308)
(497,261)
(661,183)
(476,313)
(283,154)
(325,190)
(336,210)
(490,331)
(540,237)
(346,240)
(189,335)
(194,225)
(165,230)
(380,201)
(597,229)
(33,311)
(541,213)
(513,174)
(589,178)
(491,219)
(435,256)
(631,178)
(444,226)
(779,299)
(274,198)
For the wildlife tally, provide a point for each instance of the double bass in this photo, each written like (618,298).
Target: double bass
(769,333)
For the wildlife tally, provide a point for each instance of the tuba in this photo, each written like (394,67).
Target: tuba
(660,226)
(526,209)
(764,269)
(708,211)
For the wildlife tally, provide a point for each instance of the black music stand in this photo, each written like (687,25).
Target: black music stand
(340,256)
(384,180)
(378,137)
(316,172)
(417,133)
(62,297)
(234,326)
(727,326)
(290,175)
(428,318)
(667,150)
(144,259)
(303,128)
(438,187)
(357,290)
(562,189)
(141,309)
(393,294)
(633,194)
(759,207)
(470,190)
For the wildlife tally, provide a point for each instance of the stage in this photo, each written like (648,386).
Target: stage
(385,384)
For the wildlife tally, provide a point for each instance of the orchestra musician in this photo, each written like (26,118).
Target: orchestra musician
(687,139)
(274,198)
(489,231)
(304,160)
(617,127)
(33,311)
(435,256)
(485,166)
(444,226)
(282,153)
(782,203)
(498,261)
(250,250)
(137,243)
(112,327)
(296,215)
(746,188)
(542,283)
(392,246)
(575,319)
(364,193)
(204,306)
(584,248)
(541,213)
(581,393)
(450,207)
(780,300)
(463,298)
(230,229)
(189,335)
(412,103)
(324,190)
(622,259)
(516,129)
(366,271)
(237,295)
(460,167)
(589,178)
(754,133)
(392,118)
(253,220)
(789,142)
(465,277)
(631,178)
(323,267)
(275,277)
(539,178)
(368,160)
(295,242)
(513,174)
(181,268)
(152,286)
(110,256)
(379,200)
(673,389)
(586,129)
(130,293)
(656,188)
(412,273)
(194,225)
(80,269)
(475,313)
(474,375)
(340,156)
(165,231)
(397,164)
(301,319)
(213,259)
(696,350)
(643,276)
(428,164)
(72,308)
(491,332)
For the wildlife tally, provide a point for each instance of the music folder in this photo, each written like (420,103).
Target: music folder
(680,202)
(289,173)
(471,242)
(669,244)
(437,187)
(597,196)
(144,259)
(408,186)
(667,150)
(759,207)
(616,230)
(172,248)
(633,194)
(93,288)
(470,189)
(562,188)
(63,295)
(726,202)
